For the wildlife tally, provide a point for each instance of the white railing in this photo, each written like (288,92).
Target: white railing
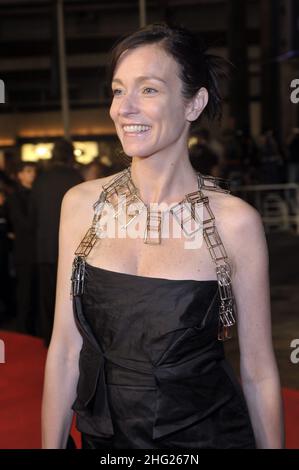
(278,204)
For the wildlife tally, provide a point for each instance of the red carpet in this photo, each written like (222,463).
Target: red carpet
(21,380)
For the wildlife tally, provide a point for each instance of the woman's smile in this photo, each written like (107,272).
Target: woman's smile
(133,130)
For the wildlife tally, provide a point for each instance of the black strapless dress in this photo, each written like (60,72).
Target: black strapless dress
(152,371)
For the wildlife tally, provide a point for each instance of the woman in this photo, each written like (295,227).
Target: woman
(141,362)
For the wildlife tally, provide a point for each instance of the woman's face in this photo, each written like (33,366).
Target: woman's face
(148,109)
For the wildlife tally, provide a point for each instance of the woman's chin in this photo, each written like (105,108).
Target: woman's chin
(139,156)
(141,153)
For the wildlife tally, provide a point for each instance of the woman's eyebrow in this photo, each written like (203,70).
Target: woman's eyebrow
(142,78)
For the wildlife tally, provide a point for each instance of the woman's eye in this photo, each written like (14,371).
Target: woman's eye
(116,92)
(149,90)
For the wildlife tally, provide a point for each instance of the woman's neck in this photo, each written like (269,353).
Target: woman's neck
(163,180)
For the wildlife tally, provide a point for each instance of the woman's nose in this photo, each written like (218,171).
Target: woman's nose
(128,105)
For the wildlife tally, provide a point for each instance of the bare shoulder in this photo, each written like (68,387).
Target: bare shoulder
(239,224)
(234,210)
(77,203)
(84,195)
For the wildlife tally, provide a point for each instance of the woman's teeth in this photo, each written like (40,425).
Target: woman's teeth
(136,128)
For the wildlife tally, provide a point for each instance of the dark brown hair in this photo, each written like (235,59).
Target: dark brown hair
(198,68)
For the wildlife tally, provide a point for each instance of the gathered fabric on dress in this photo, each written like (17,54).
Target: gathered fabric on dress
(153,373)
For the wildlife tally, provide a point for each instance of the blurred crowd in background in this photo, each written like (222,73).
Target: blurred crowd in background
(244,160)
(31,195)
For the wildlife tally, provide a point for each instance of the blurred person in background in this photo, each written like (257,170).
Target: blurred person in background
(232,168)
(202,157)
(270,159)
(93,170)
(7,183)
(292,161)
(293,157)
(47,193)
(18,207)
(4,259)
(250,159)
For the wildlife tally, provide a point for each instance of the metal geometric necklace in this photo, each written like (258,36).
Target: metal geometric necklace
(122,187)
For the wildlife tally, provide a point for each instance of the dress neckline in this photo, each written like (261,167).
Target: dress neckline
(146,278)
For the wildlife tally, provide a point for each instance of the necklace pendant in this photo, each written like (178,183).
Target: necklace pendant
(224,333)
(152,234)
(121,184)
(213,183)
(186,213)
(226,319)
(128,207)
(123,196)
(214,244)
(87,243)
(226,312)
(77,277)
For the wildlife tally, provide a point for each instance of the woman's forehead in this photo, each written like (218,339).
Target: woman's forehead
(145,61)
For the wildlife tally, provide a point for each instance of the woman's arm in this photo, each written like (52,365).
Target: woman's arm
(259,373)
(61,372)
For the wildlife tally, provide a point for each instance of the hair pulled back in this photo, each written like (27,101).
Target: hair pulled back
(198,68)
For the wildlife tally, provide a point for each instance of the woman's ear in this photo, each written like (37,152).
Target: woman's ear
(197,104)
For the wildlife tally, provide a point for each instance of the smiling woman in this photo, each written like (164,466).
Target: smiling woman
(137,352)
